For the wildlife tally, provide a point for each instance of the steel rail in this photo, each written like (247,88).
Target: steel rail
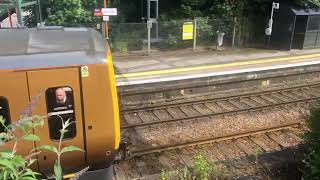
(157,149)
(255,108)
(163,106)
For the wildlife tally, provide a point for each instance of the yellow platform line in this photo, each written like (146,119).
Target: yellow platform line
(216,66)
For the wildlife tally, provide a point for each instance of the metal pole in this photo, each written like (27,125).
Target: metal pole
(19,13)
(268,41)
(106,34)
(271,19)
(9,15)
(142,15)
(149,41)
(234,30)
(148,8)
(270,26)
(157,16)
(195,35)
(39,9)
(157,9)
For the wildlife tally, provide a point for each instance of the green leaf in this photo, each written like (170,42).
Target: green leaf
(29,172)
(6,154)
(63,131)
(2,120)
(8,164)
(31,137)
(23,129)
(28,178)
(37,121)
(57,171)
(48,148)
(18,161)
(29,124)
(5,175)
(69,149)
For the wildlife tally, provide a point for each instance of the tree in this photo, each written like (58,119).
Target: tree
(72,12)
(315,3)
(68,12)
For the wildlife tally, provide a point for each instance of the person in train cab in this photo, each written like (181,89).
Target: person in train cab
(61,96)
(62,101)
(61,111)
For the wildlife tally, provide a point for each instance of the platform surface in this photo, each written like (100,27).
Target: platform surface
(185,64)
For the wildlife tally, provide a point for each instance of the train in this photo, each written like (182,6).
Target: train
(73,69)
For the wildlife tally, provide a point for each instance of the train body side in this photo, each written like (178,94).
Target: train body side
(90,86)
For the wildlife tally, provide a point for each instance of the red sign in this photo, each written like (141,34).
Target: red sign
(97,12)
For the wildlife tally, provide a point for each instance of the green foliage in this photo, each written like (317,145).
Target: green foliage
(174,41)
(312,159)
(71,12)
(12,165)
(202,170)
(60,151)
(15,167)
(120,45)
(127,37)
(68,12)
(315,3)
(201,167)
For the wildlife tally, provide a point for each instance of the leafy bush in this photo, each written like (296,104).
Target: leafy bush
(119,46)
(12,165)
(202,170)
(173,41)
(57,165)
(201,167)
(312,138)
(127,36)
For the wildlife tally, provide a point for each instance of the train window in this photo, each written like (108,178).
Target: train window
(4,112)
(60,108)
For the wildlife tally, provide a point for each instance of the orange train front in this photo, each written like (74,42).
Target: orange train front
(73,68)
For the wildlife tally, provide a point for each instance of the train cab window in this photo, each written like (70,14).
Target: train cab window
(5,113)
(60,108)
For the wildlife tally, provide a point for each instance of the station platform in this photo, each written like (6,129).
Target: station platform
(182,70)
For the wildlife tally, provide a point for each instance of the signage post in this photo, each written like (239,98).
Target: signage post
(149,26)
(187,33)
(268,30)
(105,13)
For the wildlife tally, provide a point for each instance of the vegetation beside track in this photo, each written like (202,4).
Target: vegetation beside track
(202,169)
(312,159)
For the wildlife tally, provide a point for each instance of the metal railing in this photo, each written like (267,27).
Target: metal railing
(168,35)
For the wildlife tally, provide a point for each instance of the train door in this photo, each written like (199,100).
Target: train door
(61,101)
(13,100)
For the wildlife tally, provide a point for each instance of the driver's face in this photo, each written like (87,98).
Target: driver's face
(60,95)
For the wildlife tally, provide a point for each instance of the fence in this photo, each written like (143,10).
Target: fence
(167,35)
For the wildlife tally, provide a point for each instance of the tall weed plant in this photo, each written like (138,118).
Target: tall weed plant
(14,166)
(202,169)
(312,159)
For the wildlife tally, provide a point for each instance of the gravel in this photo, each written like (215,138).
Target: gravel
(165,134)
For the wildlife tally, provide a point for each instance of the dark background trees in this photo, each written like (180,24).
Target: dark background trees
(61,12)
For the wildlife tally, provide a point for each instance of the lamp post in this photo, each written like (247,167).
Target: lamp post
(106,30)
(19,13)
(39,9)
(268,30)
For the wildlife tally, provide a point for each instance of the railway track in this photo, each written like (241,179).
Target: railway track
(157,149)
(148,163)
(206,108)
(169,155)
